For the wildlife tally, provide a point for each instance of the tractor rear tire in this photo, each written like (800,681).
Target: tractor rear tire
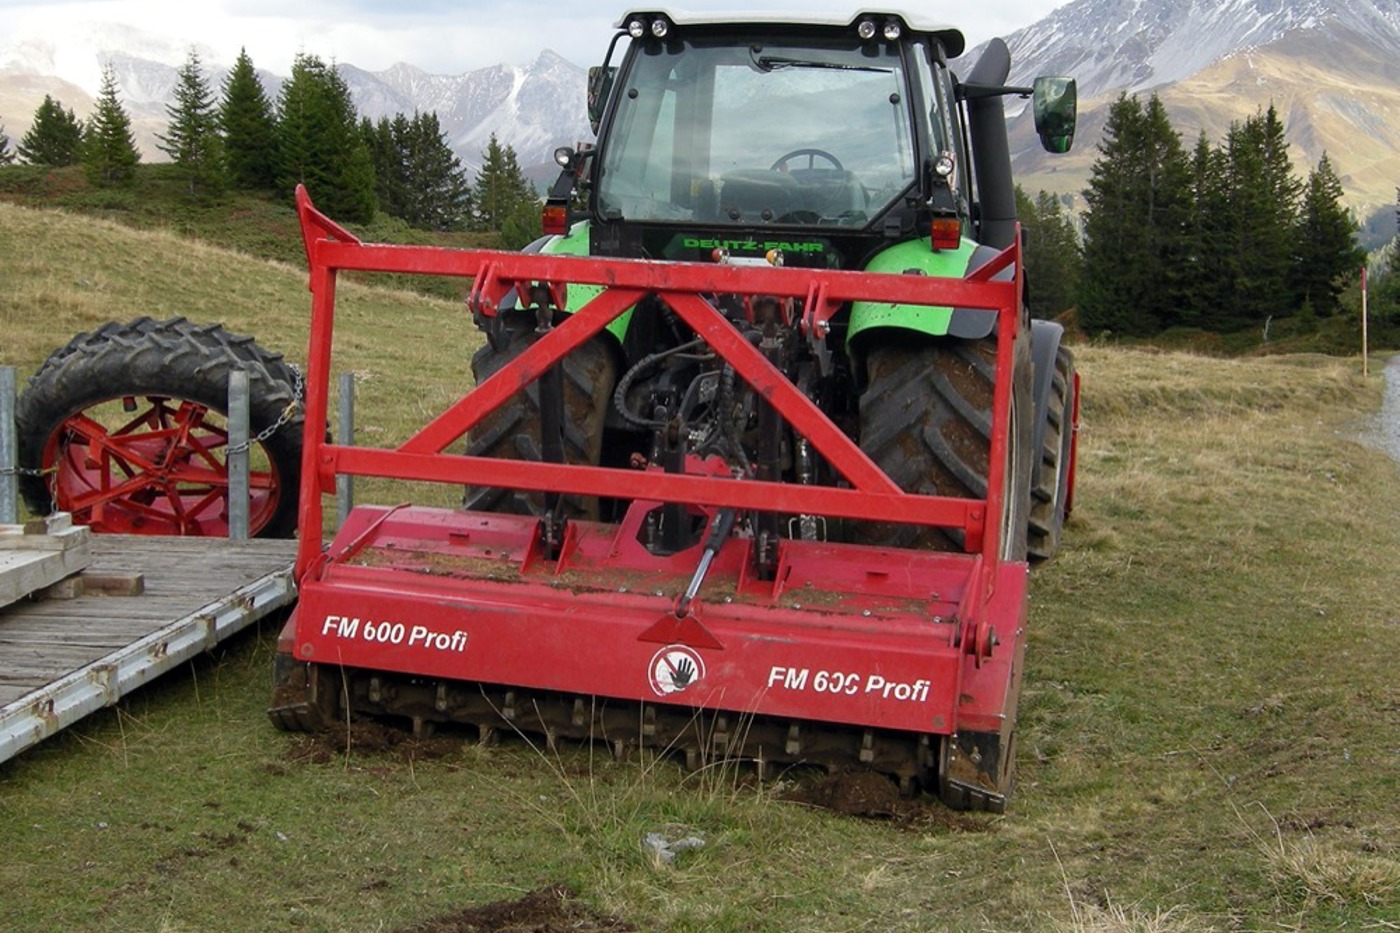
(512,432)
(1050,495)
(925,419)
(157,466)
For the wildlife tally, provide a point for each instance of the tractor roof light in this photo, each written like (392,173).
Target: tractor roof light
(639,27)
(868,29)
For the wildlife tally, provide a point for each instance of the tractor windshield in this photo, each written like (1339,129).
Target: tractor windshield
(706,130)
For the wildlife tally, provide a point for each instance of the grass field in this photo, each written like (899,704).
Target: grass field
(1209,734)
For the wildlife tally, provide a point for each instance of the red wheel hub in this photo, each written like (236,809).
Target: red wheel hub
(152,465)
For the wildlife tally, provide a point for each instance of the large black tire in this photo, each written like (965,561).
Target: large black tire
(245,347)
(146,362)
(925,419)
(1051,492)
(512,432)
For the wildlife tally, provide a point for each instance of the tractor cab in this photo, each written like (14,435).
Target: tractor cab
(825,139)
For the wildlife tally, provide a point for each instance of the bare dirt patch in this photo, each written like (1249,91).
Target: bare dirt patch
(869,795)
(555,909)
(369,738)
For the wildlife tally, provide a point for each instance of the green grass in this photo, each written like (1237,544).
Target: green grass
(1207,737)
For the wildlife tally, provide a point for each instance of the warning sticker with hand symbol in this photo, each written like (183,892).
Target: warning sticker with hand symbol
(674,668)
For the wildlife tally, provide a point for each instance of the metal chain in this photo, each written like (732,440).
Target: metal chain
(287,414)
(26,471)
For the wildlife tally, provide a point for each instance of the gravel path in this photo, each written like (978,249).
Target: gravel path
(1388,422)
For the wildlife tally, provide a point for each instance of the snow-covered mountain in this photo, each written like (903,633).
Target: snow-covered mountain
(534,109)
(78,55)
(1141,45)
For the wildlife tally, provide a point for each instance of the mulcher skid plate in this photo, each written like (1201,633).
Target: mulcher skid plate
(842,655)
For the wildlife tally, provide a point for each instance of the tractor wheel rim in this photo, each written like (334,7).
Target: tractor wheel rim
(159,469)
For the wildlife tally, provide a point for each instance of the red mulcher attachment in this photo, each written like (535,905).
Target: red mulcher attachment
(837,654)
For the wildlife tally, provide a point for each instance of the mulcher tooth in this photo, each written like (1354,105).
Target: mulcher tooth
(303,699)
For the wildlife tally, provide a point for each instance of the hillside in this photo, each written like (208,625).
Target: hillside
(1207,726)
(258,224)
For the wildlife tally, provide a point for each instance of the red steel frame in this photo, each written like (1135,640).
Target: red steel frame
(888,638)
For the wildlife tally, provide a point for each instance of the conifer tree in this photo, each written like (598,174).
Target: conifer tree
(1385,287)
(1326,252)
(319,142)
(54,138)
(297,120)
(249,129)
(1052,253)
(433,192)
(1262,219)
(390,174)
(1135,237)
(1394,265)
(522,225)
(503,200)
(192,140)
(1212,259)
(6,156)
(109,152)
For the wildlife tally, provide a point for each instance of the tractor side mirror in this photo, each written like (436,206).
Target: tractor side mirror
(1055,103)
(600,82)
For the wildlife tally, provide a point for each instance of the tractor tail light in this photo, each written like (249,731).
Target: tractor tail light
(555,219)
(946,233)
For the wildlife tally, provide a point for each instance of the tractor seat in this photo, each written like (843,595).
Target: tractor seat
(758,194)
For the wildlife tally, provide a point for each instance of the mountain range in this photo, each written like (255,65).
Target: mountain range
(1330,67)
(534,108)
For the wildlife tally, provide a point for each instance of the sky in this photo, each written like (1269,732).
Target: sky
(438,36)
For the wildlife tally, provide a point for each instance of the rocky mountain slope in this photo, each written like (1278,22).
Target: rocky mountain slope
(1331,67)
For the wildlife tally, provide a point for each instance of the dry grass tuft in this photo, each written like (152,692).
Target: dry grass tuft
(1309,870)
(1312,872)
(1115,918)
(1090,913)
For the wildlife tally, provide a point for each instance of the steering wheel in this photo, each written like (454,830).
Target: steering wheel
(781,164)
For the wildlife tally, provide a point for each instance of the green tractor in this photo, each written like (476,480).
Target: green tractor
(815,142)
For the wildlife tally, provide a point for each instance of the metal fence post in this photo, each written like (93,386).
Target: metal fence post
(345,436)
(9,446)
(237,455)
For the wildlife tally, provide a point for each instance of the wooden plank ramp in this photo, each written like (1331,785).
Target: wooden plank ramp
(39,554)
(64,658)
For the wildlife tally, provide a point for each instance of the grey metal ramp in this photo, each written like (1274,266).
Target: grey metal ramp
(61,659)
